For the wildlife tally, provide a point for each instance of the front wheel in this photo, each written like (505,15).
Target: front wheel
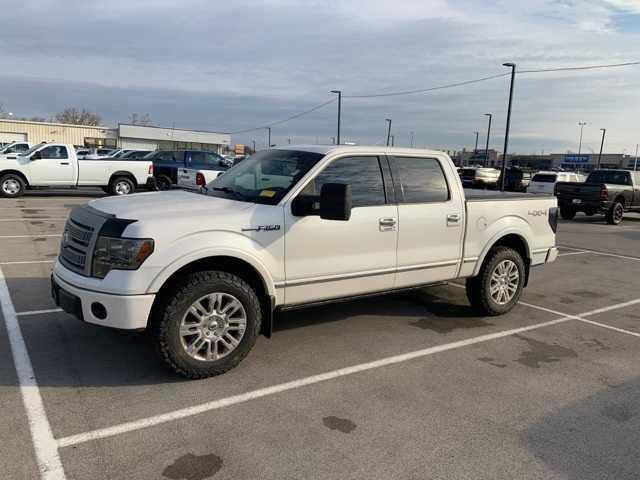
(567,213)
(499,283)
(11,185)
(615,214)
(207,324)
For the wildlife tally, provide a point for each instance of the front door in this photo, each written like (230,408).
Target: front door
(331,259)
(430,220)
(54,167)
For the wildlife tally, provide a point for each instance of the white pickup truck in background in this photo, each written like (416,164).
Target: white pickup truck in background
(15,148)
(56,165)
(205,273)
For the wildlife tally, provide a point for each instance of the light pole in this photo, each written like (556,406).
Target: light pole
(635,163)
(411,136)
(604,131)
(339,92)
(393,140)
(269,138)
(506,133)
(486,149)
(254,146)
(388,120)
(333,140)
(582,124)
(475,149)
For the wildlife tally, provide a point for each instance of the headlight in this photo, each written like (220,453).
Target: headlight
(119,254)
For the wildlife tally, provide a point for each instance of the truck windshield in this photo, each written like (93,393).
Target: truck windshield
(265,177)
(32,149)
(613,177)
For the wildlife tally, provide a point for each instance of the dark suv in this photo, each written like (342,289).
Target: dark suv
(167,162)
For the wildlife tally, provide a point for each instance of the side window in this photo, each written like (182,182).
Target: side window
(362,173)
(420,180)
(195,158)
(55,152)
(212,160)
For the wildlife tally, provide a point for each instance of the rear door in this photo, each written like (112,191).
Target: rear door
(54,167)
(329,258)
(430,220)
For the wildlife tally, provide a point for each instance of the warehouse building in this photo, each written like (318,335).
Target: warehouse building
(124,136)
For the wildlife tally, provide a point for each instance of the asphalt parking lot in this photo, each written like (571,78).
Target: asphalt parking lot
(409,386)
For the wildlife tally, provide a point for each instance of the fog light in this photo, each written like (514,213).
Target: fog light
(98,310)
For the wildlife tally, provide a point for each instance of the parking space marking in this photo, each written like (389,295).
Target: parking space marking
(574,253)
(24,219)
(39,312)
(24,262)
(292,385)
(44,444)
(597,252)
(611,327)
(32,236)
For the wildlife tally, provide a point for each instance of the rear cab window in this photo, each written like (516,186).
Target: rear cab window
(546,178)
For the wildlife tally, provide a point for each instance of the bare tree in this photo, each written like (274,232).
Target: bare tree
(144,119)
(76,116)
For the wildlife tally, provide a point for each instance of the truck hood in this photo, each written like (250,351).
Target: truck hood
(167,205)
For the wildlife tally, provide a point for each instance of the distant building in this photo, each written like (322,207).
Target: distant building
(465,158)
(124,136)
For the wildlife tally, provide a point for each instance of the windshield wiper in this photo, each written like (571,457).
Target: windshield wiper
(231,191)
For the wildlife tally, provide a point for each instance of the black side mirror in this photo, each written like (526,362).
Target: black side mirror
(36,156)
(335,201)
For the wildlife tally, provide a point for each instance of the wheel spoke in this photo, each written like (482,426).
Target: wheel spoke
(195,346)
(230,308)
(188,329)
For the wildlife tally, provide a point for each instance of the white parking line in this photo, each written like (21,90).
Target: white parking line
(283,387)
(574,253)
(25,262)
(35,208)
(606,254)
(44,444)
(39,312)
(24,219)
(31,236)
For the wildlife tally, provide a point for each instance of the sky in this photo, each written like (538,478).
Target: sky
(232,65)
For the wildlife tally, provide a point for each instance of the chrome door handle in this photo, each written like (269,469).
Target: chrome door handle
(453,219)
(387,224)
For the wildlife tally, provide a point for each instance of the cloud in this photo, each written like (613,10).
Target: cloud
(231,65)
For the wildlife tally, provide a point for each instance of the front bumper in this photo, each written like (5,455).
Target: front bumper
(125,312)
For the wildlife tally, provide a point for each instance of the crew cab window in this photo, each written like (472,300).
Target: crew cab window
(420,180)
(195,158)
(362,173)
(54,151)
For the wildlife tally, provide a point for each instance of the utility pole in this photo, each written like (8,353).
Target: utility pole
(475,149)
(289,140)
(506,133)
(486,149)
(388,120)
(604,131)
(393,140)
(582,124)
(411,136)
(254,146)
(269,139)
(635,163)
(339,92)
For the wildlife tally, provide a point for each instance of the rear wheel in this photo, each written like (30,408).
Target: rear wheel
(207,325)
(499,283)
(121,186)
(615,214)
(11,185)
(567,213)
(163,182)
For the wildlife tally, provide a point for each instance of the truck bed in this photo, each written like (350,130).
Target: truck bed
(475,195)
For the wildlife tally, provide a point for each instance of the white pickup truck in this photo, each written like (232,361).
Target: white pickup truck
(205,273)
(15,148)
(56,165)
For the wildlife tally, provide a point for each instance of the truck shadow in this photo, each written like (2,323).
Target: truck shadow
(595,438)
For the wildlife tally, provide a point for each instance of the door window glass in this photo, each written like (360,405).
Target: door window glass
(54,151)
(420,180)
(362,173)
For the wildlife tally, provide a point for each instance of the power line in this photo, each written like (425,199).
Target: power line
(430,89)
(588,67)
(292,117)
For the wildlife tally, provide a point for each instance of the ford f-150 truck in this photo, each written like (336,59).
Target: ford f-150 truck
(57,165)
(205,273)
(611,192)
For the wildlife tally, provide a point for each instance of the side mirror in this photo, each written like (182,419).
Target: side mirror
(36,156)
(335,201)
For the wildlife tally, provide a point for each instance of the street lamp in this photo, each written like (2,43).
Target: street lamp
(339,92)
(506,133)
(393,140)
(604,131)
(582,124)
(411,136)
(269,139)
(486,149)
(388,120)
(475,149)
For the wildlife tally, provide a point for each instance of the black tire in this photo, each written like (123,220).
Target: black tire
(167,316)
(12,186)
(105,189)
(121,186)
(615,214)
(567,213)
(163,182)
(478,287)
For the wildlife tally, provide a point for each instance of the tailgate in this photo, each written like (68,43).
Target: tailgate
(580,191)
(186,178)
